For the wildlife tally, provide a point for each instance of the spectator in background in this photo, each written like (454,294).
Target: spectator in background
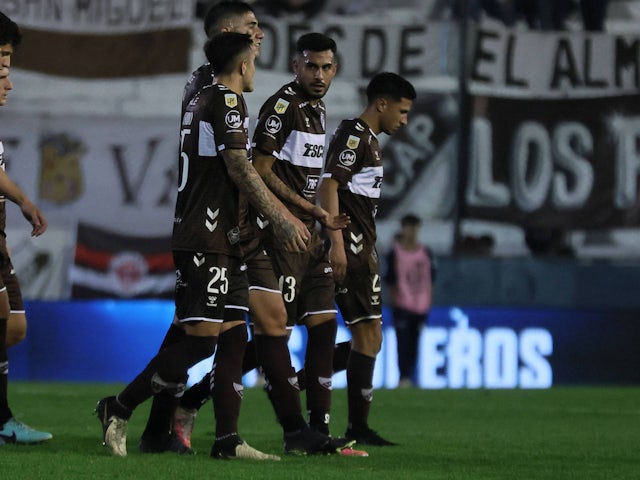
(276,8)
(411,270)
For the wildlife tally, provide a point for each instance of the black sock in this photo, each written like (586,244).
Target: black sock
(198,394)
(5,411)
(164,404)
(250,360)
(341,356)
(227,380)
(319,370)
(167,370)
(359,388)
(273,355)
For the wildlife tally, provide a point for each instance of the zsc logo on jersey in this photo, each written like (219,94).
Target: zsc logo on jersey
(347,158)
(273,124)
(230,100)
(281,106)
(233,119)
(353,141)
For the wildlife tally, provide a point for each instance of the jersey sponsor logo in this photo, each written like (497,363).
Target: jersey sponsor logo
(353,141)
(230,100)
(347,157)
(313,150)
(312,184)
(273,124)
(281,106)
(233,119)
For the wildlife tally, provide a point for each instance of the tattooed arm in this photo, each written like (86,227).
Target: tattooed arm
(263,164)
(291,230)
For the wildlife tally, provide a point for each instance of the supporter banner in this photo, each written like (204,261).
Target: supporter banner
(545,64)
(107,264)
(420,161)
(367,44)
(561,146)
(99,171)
(99,39)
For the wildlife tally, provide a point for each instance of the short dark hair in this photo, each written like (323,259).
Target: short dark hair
(315,42)
(410,220)
(221,11)
(223,48)
(392,85)
(9,31)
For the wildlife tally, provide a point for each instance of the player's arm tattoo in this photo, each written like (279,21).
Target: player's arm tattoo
(251,184)
(276,185)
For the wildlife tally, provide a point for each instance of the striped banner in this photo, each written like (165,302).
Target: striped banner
(112,265)
(97,39)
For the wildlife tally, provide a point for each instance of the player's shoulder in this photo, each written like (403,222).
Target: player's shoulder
(286,99)
(352,132)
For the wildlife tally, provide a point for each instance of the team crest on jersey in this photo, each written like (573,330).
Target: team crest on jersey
(312,184)
(353,141)
(230,100)
(233,119)
(347,158)
(61,178)
(281,106)
(273,124)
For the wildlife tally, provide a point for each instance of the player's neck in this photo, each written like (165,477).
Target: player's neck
(370,117)
(232,82)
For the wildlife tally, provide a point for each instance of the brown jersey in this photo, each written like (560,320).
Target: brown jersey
(354,161)
(206,214)
(202,77)
(293,131)
(3,209)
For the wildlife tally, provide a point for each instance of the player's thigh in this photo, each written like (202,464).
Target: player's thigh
(202,287)
(267,311)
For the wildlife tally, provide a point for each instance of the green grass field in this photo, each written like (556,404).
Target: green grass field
(562,433)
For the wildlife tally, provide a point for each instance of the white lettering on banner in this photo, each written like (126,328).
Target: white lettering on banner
(464,357)
(567,64)
(367,44)
(90,16)
(542,165)
(626,132)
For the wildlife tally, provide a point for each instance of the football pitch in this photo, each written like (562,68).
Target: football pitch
(561,433)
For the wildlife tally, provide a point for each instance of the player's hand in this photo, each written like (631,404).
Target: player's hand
(338,260)
(332,222)
(293,233)
(35,217)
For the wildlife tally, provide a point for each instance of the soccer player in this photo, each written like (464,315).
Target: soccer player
(162,433)
(213,168)
(351,183)
(288,153)
(12,313)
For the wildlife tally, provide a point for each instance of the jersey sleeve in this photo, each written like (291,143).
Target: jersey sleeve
(274,125)
(229,121)
(344,156)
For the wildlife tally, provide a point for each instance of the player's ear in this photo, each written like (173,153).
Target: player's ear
(381,104)
(243,67)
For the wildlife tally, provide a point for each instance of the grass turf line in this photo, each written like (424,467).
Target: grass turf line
(561,433)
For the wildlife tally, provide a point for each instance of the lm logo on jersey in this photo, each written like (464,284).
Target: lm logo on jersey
(233,119)
(273,124)
(347,158)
